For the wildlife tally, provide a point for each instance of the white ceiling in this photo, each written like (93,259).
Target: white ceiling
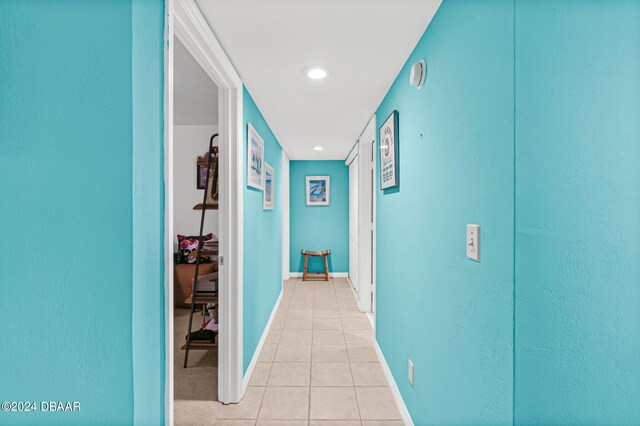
(364,43)
(195,95)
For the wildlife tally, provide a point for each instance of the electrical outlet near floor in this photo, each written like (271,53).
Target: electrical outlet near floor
(410,371)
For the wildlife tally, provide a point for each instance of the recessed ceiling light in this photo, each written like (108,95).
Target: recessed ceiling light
(316,72)
(317,148)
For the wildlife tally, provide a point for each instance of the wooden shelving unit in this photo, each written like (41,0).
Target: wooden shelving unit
(199,345)
(206,206)
(196,299)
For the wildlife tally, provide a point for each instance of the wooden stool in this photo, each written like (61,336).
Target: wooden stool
(315,275)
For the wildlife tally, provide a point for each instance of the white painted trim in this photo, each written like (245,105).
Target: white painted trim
(331,274)
(188,24)
(397,396)
(352,155)
(372,320)
(366,229)
(285,215)
(168,214)
(353,288)
(256,354)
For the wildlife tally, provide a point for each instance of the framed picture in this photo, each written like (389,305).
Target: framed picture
(255,158)
(201,176)
(389,176)
(269,186)
(201,169)
(318,190)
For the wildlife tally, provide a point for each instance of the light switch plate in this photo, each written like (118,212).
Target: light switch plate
(410,371)
(473,242)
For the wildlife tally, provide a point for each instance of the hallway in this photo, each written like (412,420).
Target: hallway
(318,366)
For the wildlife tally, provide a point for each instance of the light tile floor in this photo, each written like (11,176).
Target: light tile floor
(317,367)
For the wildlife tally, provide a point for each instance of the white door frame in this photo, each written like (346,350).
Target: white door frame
(354,174)
(184,19)
(366,222)
(285,216)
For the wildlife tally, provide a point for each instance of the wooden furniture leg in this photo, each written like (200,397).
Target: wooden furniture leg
(304,271)
(326,267)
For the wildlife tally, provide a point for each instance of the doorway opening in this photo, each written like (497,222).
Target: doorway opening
(211,375)
(195,221)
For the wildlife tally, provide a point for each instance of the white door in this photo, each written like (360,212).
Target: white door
(284,180)
(353,223)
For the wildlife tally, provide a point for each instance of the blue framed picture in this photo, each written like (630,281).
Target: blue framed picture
(318,190)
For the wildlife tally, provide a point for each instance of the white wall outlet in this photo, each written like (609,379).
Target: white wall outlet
(473,242)
(410,371)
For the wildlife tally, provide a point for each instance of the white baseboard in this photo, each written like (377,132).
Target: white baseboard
(404,412)
(256,354)
(331,274)
(372,320)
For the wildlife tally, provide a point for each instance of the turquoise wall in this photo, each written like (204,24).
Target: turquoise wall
(319,227)
(577,212)
(148,318)
(528,125)
(262,267)
(71,111)
(452,316)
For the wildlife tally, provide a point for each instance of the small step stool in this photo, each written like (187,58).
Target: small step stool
(306,275)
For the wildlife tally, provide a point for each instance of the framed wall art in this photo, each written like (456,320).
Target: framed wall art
(389,152)
(318,190)
(255,158)
(268,193)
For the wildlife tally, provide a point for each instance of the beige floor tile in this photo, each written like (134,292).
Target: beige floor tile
(293,353)
(383,423)
(346,294)
(329,353)
(277,325)
(335,423)
(231,423)
(245,409)
(356,324)
(328,337)
(331,374)
(327,324)
(267,353)
(299,312)
(285,403)
(298,324)
(301,304)
(282,423)
(289,374)
(260,374)
(281,315)
(296,337)
(350,312)
(362,353)
(377,403)
(334,403)
(358,337)
(326,313)
(195,412)
(326,293)
(325,303)
(273,337)
(346,302)
(341,284)
(368,374)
